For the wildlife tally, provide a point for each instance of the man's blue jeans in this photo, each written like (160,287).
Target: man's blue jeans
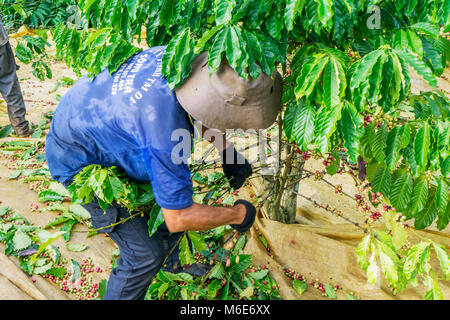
(141,257)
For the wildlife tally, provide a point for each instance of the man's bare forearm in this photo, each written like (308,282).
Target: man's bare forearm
(201,217)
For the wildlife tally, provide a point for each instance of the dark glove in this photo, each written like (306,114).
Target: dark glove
(236,167)
(249,217)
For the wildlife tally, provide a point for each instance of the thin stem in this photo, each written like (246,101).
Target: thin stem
(330,210)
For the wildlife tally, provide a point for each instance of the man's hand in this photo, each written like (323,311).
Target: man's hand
(249,216)
(236,168)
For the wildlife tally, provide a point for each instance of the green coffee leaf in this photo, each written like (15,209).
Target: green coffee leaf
(326,124)
(102,285)
(352,130)
(79,211)
(330,291)
(21,240)
(416,255)
(303,125)
(425,218)
(400,195)
(441,194)
(76,247)
(362,250)
(426,27)
(435,292)
(223,11)
(58,272)
(15,175)
(197,240)
(380,143)
(389,269)
(185,252)
(382,180)
(258,275)
(443,259)
(299,286)
(422,146)
(350,296)
(334,83)
(310,74)
(217,50)
(155,220)
(419,66)
(372,268)
(364,68)
(217,272)
(419,196)
(199,47)
(76,270)
(247,292)
(49,195)
(6,131)
(293,9)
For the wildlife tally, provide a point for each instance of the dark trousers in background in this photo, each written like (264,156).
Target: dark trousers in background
(10,90)
(141,257)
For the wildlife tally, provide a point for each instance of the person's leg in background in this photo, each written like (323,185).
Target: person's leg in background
(11,92)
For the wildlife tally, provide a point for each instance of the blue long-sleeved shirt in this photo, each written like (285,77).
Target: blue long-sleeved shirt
(129,119)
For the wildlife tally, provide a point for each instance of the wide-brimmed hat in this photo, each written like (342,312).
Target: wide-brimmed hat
(225,100)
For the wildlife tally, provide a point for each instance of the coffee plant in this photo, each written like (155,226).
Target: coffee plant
(346,67)
(31,50)
(35,14)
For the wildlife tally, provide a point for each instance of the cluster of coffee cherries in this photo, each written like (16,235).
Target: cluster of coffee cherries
(83,287)
(12,217)
(327,162)
(338,189)
(327,207)
(34,207)
(305,155)
(318,175)
(38,185)
(378,117)
(292,274)
(374,215)
(11,162)
(367,119)
(321,287)
(399,218)
(429,176)
(376,197)
(315,155)
(390,121)
(406,245)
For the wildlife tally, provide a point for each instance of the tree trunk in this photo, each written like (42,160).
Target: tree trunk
(283,207)
(288,204)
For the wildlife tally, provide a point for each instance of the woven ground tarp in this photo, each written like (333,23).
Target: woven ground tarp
(322,247)
(324,251)
(15,284)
